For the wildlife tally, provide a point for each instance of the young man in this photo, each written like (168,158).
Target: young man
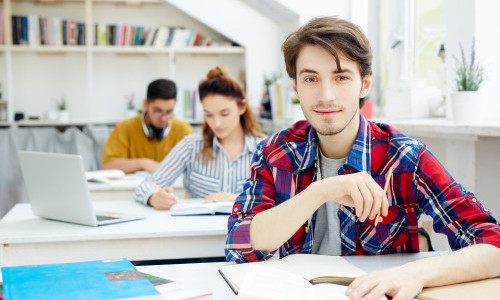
(141,143)
(316,187)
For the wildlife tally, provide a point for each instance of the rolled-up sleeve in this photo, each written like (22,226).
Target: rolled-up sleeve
(258,195)
(456,212)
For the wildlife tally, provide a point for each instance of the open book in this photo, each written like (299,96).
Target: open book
(115,177)
(297,274)
(190,207)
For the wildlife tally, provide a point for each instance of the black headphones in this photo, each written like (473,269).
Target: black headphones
(152,132)
(155,133)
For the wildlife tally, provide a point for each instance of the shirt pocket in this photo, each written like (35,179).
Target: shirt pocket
(388,234)
(204,185)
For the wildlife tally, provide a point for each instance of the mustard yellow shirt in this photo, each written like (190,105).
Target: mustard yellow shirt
(128,140)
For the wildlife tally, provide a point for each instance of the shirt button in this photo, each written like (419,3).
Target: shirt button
(235,209)
(380,219)
(474,200)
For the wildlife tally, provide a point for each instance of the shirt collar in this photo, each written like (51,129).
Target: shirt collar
(250,144)
(359,156)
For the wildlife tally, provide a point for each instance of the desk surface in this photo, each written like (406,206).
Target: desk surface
(205,276)
(28,239)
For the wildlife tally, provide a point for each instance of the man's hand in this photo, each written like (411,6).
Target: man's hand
(357,190)
(222,196)
(163,199)
(149,165)
(399,283)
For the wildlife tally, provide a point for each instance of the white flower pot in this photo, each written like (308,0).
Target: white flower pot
(466,107)
(63,116)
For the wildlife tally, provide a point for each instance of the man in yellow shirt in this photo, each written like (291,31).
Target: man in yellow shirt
(140,143)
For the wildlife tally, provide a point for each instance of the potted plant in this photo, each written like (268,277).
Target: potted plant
(466,101)
(63,112)
(297,113)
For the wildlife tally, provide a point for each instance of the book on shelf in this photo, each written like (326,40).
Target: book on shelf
(100,279)
(297,274)
(191,207)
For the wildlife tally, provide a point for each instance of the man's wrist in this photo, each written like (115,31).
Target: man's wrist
(420,271)
(315,191)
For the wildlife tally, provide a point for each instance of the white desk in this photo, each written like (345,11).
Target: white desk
(205,276)
(27,239)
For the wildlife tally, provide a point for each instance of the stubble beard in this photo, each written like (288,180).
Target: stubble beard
(328,127)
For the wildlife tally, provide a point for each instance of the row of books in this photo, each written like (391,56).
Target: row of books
(162,36)
(191,106)
(34,30)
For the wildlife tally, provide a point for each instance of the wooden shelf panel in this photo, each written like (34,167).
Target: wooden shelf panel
(47,49)
(125,49)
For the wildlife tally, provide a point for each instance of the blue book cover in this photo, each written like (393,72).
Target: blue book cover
(101,279)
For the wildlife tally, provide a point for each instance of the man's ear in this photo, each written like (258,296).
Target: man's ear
(294,86)
(145,104)
(366,85)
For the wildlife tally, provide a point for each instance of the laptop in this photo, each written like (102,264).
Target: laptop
(58,189)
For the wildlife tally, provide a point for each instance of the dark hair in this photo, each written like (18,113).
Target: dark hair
(219,83)
(161,89)
(337,36)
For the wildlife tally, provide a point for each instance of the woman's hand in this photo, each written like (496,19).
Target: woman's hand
(163,199)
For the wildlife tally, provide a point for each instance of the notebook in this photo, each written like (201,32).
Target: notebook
(58,189)
(191,207)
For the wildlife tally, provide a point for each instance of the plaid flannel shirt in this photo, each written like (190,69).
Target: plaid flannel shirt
(286,163)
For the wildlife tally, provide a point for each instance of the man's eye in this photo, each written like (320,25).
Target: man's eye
(342,78)
(310,79)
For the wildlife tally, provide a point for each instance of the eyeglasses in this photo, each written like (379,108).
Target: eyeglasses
(158,113)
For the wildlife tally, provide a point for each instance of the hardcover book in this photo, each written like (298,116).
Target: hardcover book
(101,279)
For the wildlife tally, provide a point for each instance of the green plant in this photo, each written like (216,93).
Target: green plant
(295,100)
(61,105)
(470,75)
(269,81)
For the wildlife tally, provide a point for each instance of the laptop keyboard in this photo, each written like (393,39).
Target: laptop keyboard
(104,218)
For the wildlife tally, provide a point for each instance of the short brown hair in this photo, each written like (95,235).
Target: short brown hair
(218,82)
(335,35)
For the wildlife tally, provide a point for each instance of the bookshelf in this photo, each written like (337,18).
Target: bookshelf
(94,79)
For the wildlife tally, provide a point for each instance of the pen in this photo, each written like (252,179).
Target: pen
(387,180)
(160,189)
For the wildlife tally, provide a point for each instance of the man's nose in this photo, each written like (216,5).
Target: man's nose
(328,92)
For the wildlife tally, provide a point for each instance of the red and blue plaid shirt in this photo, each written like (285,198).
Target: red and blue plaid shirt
(286,163)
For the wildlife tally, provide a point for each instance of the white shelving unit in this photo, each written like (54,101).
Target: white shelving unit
(94,79)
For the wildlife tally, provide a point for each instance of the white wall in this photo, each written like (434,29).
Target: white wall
(260,36)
